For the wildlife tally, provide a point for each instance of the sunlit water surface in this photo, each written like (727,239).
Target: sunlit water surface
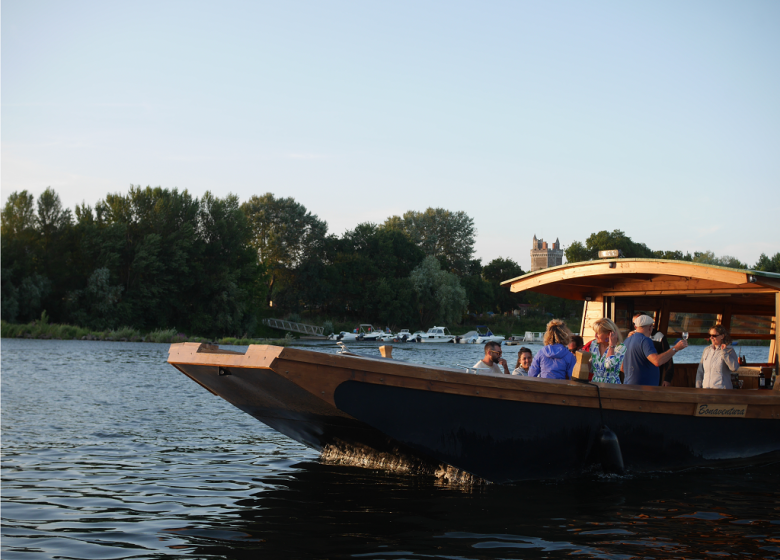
(109,452)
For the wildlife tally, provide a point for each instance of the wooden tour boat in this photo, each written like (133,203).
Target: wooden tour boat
(503,428)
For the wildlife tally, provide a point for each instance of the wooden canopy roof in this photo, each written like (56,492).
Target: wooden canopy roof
(652,277)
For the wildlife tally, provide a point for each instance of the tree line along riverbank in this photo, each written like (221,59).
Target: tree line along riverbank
(155,258)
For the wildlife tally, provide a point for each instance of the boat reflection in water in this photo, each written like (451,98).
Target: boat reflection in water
(376,514)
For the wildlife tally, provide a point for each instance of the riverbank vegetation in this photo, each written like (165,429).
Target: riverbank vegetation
(44,330)
(160,260)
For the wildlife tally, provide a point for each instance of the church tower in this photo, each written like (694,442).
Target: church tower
(543,256)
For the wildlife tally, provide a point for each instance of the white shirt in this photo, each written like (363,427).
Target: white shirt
(495,368)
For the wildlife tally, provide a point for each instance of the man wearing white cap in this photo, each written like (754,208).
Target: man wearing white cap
(641,362)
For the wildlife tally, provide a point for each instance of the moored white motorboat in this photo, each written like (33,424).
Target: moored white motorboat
(437,334)
(417,336)
(487,336)
(343,335)
(368,333)
(401,336)
(468,338)
(386,337)
(479,337)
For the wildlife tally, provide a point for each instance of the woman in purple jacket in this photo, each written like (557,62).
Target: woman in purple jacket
(554,361)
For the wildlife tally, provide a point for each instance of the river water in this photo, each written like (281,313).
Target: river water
(109,453)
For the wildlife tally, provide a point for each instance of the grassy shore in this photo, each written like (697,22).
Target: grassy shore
(42,329)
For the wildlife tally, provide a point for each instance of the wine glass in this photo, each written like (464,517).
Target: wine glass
(685,335)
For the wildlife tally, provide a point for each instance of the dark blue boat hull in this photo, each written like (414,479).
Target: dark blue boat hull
(498,440)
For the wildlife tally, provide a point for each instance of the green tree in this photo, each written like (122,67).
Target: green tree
(34,251)
(603,241)
(51,216)
(315,283)
(383,259)
(231,270)
(440,297)
(577,252)
(708,257)
(357,274)
(440,233)
(18,214)
(95,305)
(673,255)
(495,272)
(283,233)
(767,264)
(393,303)
(501,269)
(18,238)
(152,241)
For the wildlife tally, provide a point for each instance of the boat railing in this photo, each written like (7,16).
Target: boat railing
(294,327)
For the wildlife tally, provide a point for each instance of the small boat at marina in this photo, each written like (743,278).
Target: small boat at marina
(437,334)
(367,333)
(487,336)
(405,336)
(364,333)
(481,335)
(345,336)
(468,338)
(508,428)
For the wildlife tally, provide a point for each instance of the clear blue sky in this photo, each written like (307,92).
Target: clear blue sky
(558,119)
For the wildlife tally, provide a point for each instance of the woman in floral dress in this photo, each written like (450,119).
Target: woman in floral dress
(607,352)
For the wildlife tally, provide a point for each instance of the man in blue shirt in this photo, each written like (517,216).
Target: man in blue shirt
(641,362)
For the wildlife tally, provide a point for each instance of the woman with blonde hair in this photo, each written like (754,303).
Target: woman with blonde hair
(717,361)
(607,352)
(554,361)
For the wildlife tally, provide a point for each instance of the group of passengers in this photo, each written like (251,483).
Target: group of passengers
(640,358)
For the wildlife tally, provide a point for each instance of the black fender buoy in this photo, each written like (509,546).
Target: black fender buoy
(609,451)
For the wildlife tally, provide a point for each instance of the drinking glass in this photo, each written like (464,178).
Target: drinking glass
(685,335)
